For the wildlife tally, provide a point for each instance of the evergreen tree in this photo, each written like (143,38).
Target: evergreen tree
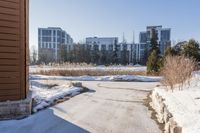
(115,54)
(154,60)
(170,51)
(95,54)
(154,42)
(103,57)
(191,49)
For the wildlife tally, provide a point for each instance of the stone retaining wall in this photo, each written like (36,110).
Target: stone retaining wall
(15,109)
(163,115)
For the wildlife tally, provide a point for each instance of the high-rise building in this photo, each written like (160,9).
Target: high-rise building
(136,53)
(164,41)
(49,43)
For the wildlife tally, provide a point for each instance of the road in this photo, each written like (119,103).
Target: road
(110,107)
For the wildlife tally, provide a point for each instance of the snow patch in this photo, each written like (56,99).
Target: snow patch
(45,97)
(99,78)
(184,105)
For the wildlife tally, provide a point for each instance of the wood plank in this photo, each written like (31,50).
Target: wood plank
(9,30)
(9,43)
(9,80)
(9,37)
(9,24)
(9,50)
(9,86)
(9,55)
(9,92)
(9,97)
(5,10)
(9,17)
(11,1)
(9,4)
(9,68)
(9,74)
(9,62)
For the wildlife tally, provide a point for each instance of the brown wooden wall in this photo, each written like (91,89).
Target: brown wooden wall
(13,49)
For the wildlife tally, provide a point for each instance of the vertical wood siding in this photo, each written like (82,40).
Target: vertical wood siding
(13,49)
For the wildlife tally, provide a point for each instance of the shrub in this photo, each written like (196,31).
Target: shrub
(177,70)
(154,63)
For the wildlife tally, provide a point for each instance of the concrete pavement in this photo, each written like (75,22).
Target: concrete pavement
(110,107)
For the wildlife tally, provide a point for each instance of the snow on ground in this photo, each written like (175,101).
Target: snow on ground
(137,67)
(47,96)
(99,78)
(184,105)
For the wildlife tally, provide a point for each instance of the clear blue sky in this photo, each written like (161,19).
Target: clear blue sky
(83,18)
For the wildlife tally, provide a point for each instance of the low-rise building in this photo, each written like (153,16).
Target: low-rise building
(102,43)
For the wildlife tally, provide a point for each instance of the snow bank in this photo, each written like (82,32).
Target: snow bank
(44,97)
(99,78)
(183,105)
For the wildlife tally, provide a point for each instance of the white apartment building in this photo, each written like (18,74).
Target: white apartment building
(50,40)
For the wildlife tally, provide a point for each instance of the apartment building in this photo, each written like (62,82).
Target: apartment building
(50,41)
(164,41)
(102,43)
(126,52)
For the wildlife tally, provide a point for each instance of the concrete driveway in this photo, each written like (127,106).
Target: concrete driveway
(110,107)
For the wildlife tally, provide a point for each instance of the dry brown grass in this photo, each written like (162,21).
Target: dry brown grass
(177,70)
(89,72)
(67,65)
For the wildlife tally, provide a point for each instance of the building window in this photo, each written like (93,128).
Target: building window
(49,45)
(103,47)
(58,39)
(96,47)
(110,47)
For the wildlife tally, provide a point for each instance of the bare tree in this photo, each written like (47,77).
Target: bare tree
(33,55)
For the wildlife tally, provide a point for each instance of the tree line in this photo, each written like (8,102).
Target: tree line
(190,49)
(82,53)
